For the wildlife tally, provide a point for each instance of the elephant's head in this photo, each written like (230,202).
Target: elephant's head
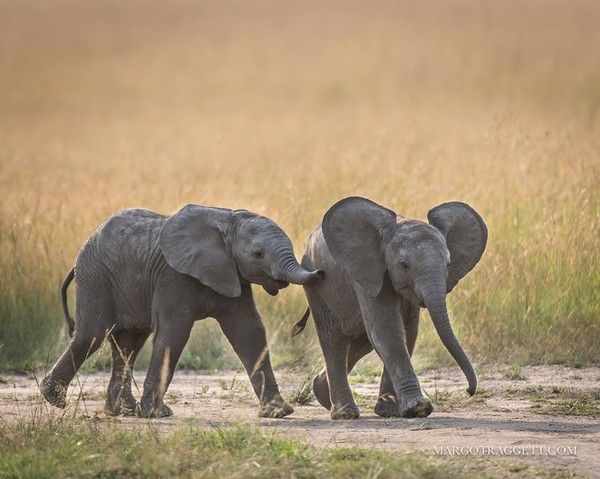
(222,248)
(423,261)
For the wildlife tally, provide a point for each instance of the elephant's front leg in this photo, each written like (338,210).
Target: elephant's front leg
(387,403)
(245,331)
(382,316)
(169,341)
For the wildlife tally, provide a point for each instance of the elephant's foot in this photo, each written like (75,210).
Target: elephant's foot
(54,392)
(387,406)
(347,411)
(120,406)
(151,411)
(417,406)
(321,390)
(276,408)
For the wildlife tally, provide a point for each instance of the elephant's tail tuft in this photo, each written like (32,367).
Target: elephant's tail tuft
(65,305)
(300,325)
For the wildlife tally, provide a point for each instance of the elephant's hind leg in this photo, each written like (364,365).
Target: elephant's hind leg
(125,347)
(341,355)
(387,403)
(169,340)
(54,386)
(93,319)
(357,349)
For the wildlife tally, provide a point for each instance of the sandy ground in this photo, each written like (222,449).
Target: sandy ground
(553,409)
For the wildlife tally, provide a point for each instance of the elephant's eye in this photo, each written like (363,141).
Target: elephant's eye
(404,264)
(258,253)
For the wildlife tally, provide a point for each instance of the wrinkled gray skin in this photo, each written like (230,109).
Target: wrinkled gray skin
(143,272)
(380,269)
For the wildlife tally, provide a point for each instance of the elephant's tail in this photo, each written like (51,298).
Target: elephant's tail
(65,305)
(300,325)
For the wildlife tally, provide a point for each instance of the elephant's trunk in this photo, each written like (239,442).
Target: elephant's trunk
(288,269)
(435,300)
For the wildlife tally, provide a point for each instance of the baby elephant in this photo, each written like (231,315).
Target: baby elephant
(380,268)
(143,272)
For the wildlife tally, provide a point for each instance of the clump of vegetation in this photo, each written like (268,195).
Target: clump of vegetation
(234,385)
(446,400)
(566,401)
(303,393)
(514,373)
(555,400)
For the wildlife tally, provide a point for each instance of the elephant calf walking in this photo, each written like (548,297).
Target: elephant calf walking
(143,272)
(380,269)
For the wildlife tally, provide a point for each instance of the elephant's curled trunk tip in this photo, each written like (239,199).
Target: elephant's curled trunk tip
(472,389)
(296,274)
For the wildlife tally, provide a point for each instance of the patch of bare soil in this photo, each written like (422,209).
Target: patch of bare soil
(546,414)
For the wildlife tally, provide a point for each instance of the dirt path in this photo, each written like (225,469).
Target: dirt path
(549,415)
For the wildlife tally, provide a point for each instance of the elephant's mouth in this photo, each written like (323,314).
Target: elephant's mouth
(408,292)
(273,286)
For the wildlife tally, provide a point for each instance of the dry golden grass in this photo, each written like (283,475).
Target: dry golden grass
(285,107)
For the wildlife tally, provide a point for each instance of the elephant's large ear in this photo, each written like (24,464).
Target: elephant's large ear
(192,243)
(353,229)
(466,236)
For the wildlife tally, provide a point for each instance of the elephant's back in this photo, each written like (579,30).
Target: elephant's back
(129,233)
(125,244)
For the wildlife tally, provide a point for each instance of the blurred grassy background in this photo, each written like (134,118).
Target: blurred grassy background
(285,107)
